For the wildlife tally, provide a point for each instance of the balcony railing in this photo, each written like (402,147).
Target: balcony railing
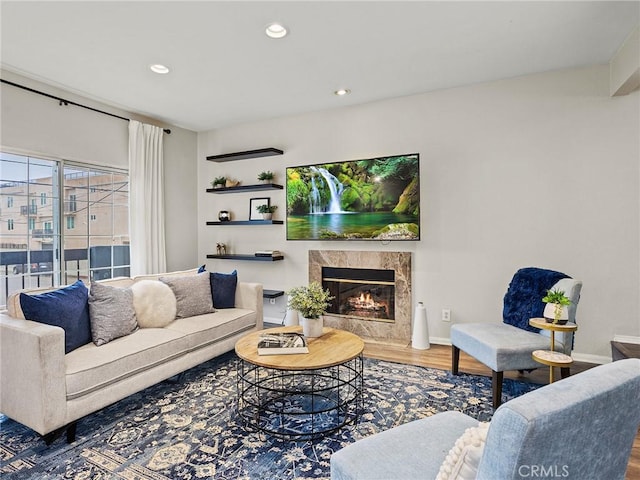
(42,233)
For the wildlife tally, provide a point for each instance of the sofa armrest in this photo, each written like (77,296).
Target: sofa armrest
(32,368)
(249,295)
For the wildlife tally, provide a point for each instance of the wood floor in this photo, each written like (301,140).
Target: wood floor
(439,356)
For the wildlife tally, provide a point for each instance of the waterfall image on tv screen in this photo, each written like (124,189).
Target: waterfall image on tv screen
(373,199)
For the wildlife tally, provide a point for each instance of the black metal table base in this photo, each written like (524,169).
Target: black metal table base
(300,404)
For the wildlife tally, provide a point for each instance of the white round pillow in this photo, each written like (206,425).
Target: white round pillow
(154,303)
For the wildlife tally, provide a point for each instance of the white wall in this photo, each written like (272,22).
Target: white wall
(541,170)
(36,125)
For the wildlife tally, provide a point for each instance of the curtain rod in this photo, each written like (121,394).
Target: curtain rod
(69,102)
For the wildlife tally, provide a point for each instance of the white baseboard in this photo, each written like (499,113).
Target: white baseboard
(588,358)
(273,320)
(440,341)
(626,339)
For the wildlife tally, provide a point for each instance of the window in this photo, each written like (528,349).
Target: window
(53,237)
(72,206)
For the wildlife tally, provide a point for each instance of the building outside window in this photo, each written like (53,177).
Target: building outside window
(69,246)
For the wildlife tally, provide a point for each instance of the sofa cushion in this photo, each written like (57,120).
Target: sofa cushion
(464,457)
(65,308)
(154,303)
(223,289)
(111,312)
(92,368)
(193,294)
(202,330)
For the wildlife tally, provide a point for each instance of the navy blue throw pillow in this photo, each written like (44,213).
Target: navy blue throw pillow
(223,289)
(67,307)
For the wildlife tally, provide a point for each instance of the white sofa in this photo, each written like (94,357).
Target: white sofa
(48,390)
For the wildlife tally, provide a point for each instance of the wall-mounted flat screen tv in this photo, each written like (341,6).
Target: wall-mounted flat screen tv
(372,199)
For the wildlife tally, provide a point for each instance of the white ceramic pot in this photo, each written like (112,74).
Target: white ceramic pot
(550,313)
(311,327)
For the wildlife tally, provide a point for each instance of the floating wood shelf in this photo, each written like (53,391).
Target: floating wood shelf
(272,293)
(246,188)
(261,152)
(249,257)
(248,222)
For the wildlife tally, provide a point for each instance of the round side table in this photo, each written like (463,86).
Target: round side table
(551,357)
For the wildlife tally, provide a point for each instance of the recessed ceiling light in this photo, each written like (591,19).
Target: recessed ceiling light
(276,30)
(159,68)
(342,91)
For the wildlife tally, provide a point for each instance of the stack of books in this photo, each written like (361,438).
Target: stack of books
(282,343)
(268,253)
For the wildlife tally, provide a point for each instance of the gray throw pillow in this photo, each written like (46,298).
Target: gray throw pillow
(111,313)
(193,294)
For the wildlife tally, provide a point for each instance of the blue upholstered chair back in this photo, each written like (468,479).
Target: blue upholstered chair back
(581,427)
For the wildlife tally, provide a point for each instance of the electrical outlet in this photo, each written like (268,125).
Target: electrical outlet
(446,315)
(272,301)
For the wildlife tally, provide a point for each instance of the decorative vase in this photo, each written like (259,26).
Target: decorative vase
(311,327)
(267,216)
(556,313)
(224,216)
(291,318)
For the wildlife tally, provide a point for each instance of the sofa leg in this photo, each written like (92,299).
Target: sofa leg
(71,432)
(565,372)
(455,359)
(70,429)
(496,387)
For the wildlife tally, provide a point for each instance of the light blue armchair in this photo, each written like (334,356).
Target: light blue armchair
(581,427)
(509,345)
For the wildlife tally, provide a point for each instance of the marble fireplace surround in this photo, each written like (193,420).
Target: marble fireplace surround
(398,332)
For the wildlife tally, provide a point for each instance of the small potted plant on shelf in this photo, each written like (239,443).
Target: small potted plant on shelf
(266,177)
(266,211)
(219,182)
(311,302)
(556,310)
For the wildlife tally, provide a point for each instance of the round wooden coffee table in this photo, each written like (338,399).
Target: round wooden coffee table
(304,395)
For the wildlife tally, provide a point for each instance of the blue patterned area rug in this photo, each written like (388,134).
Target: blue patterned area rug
(189,429)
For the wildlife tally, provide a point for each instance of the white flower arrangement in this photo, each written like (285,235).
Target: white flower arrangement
(311,301)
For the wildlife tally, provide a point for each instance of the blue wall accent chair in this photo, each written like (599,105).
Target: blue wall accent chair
(509,345)
(581,428)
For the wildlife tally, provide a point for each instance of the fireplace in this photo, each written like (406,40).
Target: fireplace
(390,292)
(364,293)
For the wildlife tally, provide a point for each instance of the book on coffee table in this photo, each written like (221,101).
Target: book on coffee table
(282,343)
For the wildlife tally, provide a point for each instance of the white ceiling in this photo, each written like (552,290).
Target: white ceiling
(225,71)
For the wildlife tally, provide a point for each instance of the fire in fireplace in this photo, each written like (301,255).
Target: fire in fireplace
(363,293)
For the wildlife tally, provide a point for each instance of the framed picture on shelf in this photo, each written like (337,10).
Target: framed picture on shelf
(254,203)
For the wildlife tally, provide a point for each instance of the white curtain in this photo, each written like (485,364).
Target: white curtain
(146,199)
